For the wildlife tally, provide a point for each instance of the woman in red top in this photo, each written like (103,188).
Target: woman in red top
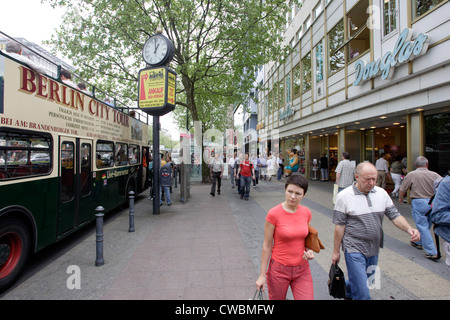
(285,231)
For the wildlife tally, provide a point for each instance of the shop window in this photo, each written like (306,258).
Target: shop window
(420,7)
(336,48)
(358,31)
(390,16)
(306,73)
(437,142)
(296,81)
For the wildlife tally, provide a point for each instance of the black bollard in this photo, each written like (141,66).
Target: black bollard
(131,212)
(99,236)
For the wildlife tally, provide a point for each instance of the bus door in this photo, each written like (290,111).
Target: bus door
(75,189)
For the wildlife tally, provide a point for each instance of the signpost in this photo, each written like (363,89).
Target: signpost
(156,91)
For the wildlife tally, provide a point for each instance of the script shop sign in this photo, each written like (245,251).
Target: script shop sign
(404,50)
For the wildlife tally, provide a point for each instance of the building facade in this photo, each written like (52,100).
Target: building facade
(364,76)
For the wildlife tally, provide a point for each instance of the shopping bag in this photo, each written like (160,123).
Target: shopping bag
(335,192)
(258,295)
(336,282)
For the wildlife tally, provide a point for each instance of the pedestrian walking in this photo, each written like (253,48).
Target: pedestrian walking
(246,172)
(324,168)
(255,161)
(237,163)
(358,217)
(440,215)
(345,172)
(263,168)
(231,169)
(382,171)
(284,257)
(398,170)
(420,183)
(280,162)
(216,172)
(271,162)
(165,178)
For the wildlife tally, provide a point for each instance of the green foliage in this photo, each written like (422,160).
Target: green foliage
(218,46)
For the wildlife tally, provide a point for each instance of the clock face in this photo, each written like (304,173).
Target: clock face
(155,50)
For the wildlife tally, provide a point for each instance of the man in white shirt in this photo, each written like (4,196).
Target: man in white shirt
(382,168)
(231,169)
(14,50)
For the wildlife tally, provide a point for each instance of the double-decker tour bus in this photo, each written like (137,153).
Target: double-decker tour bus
(63,153)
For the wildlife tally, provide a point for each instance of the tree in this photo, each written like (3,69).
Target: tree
(218,46)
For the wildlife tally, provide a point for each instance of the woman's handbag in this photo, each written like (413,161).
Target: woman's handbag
(336,282)
(312,241)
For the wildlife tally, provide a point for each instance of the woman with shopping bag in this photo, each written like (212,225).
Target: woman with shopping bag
(284,254)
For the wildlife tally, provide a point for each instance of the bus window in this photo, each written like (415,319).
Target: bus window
(133,154)
(105,154)
(121,154)
(24,154)
(67,172)
(85,169)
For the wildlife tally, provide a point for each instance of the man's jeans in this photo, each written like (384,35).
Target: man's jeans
(245,186)
(359,269)
(167,193)
(419,208)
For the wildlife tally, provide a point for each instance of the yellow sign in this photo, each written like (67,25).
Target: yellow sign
(171,88)
(152,88)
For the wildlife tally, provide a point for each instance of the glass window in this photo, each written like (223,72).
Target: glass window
(319,62)
(437,142)
(306,73)
(105,154)
(296,81)
(288,87)
(390,16)
(318,10)
(336,48)
(24,154)
(307,23)
(86,161)
(420,7)
(358,32)
(67,172)
(121,154)
(133,154)
(281,92)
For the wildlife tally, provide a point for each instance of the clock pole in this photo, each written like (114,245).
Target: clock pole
(156,92)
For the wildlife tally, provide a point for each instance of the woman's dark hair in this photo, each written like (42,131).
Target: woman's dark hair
(298,180)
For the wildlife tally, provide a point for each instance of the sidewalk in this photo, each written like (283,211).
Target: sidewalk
(209,249)
(191,252)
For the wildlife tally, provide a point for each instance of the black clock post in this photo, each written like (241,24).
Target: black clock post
(156,93)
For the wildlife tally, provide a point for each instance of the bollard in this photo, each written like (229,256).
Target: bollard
(131,212)
(99,236)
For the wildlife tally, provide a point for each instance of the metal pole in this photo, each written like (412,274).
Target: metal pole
(99,261)
(131,212)
(156,165)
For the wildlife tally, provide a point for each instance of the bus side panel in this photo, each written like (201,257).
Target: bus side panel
(39,197)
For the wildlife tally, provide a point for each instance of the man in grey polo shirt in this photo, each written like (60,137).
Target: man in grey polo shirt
(358,217)
(345,171)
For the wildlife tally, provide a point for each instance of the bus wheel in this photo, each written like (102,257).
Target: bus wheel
(15,247)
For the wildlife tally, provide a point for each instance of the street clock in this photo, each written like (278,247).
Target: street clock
(158,50)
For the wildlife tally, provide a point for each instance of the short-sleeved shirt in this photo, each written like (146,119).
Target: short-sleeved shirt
(246,168)
(420,181)
(291,229)
(347,170)
(362,214)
